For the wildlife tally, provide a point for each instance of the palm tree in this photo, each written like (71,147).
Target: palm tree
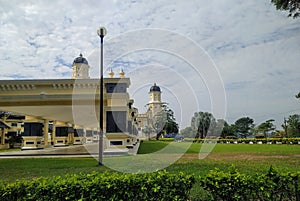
(203,122)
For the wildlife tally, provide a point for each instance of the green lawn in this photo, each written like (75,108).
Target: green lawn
(28,168)
(257,149)
(248,159)
(151,146)
(10,150)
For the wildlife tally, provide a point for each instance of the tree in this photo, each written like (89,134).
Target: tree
(170,126)
(293,6)
(158,122)
(228,130)
(266,127)
(243,126)
(285,127)
(219,126)
(294,125)
(188,132)
(298,95)
(164,122)
(202,123)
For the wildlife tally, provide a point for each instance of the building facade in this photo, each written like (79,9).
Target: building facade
(66,111)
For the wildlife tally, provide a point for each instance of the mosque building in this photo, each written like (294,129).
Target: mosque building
(154,107)
(62,112)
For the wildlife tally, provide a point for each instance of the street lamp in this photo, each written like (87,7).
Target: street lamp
(101,33)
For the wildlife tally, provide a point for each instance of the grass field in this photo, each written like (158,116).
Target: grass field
(248,159)
(245,158)
(9,150)
(29,168)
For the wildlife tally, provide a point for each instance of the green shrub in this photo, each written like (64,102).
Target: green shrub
(166,139)
(227,186)
(246,140)
(233,186)
(102,186)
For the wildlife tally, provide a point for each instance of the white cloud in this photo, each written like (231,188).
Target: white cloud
(255,48)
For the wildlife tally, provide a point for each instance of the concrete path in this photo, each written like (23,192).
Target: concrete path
(88,150)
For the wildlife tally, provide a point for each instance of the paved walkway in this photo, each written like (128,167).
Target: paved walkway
(134,150)
(87,150)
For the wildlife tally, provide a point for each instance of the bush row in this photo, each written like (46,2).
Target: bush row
(233,186)
(247,140)
(101,186)
(166,139)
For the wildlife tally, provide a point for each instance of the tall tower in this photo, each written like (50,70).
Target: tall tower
(80,68)
(155,104)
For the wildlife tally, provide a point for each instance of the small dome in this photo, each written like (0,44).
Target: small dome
(80,60)
(154,88)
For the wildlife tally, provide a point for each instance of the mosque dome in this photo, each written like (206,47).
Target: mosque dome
(154,88)
(80,60)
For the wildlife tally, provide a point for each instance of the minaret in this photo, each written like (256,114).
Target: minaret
(155,104)
(80,68)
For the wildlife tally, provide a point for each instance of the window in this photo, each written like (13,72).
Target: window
(14,124)
(78,132)
(115,88)
(61,131)
(33,129)
(89,133)
(11,134)
(115,121)
(116,143)
(129,127)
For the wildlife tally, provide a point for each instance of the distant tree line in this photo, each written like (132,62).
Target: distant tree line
(204,124)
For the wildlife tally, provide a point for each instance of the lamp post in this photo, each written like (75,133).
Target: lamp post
(101,33)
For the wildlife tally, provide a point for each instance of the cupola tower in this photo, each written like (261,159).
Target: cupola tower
(155,104)
(80,68)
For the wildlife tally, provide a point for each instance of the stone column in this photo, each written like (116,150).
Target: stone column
(2,136)
(84,136)
(70,137)
(53,136)
(46,129)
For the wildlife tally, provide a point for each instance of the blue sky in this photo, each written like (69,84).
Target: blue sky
(234,58)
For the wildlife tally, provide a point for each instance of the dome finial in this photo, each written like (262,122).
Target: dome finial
(80,59)
(121,73)
(111,73)
(155,88)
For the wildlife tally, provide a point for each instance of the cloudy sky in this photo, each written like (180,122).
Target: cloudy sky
(233,58)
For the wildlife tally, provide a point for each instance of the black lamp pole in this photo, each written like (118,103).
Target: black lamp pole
(101,33)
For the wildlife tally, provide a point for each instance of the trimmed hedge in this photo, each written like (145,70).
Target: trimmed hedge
(247,140)
(166,139)
(233,186)
(101,186)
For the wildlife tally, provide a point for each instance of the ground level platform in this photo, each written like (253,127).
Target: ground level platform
(88,150)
